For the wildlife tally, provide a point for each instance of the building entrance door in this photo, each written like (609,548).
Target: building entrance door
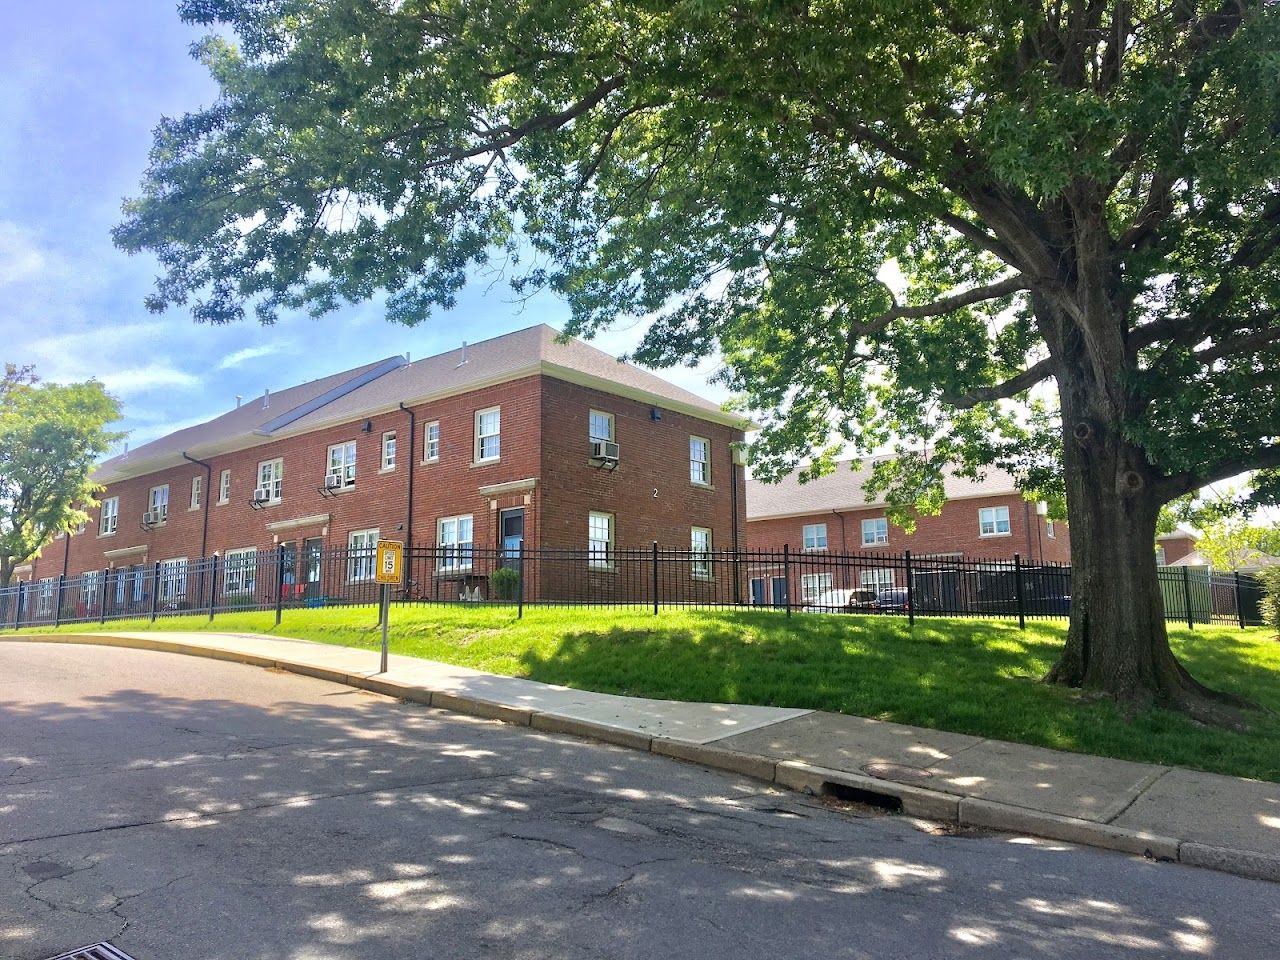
(511,526)
(312,554)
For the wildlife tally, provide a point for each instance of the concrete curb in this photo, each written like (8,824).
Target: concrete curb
(790,774)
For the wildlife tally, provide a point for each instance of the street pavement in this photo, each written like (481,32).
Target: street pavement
(188,809)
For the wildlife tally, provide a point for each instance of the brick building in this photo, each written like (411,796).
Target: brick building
(832,515)
(518,441)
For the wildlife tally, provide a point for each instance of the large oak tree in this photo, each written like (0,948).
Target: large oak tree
(1075,193)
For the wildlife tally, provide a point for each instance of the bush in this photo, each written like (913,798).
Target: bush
(1270,577)
(504,583)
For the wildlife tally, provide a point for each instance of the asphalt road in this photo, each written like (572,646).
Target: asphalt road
(187,809)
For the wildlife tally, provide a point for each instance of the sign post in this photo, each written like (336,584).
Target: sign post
(389,570)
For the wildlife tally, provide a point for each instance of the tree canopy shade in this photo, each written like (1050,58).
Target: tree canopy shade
(50,438)
(1074,192)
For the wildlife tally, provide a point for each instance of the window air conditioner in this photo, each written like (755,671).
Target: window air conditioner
(262,494)
(153,517)
(332,481)
(604,450)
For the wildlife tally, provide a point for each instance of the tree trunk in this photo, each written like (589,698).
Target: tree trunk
(1117,642)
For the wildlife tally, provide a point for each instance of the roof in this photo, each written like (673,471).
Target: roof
(534,350)
(384,385)
(842,489)
(1249,561)
(1180,532)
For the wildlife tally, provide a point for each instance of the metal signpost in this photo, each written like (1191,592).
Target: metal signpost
(389,570)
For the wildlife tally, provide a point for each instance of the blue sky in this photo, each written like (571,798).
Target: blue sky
(82,83)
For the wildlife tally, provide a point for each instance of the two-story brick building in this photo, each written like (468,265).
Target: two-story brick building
(985,518)
(519,441)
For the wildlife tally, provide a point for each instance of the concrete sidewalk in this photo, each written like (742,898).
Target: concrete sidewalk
(1168,813)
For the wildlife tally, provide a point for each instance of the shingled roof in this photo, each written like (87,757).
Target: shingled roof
(842,489)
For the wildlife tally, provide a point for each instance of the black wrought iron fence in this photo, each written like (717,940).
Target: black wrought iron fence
(652,578)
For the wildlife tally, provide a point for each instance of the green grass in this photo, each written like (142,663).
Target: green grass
(977,677)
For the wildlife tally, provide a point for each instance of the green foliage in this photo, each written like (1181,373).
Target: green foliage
(504,583)
(1231,543)
(1270,577)
(1079,193)
(50,437)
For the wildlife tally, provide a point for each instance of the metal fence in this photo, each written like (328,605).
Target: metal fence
(654,578)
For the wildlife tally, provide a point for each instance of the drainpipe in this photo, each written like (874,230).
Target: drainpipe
(208,493)
(844,548)
(733,529)
(409,464)
(1026,517)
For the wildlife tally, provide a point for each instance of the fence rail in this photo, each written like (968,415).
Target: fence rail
(652,578)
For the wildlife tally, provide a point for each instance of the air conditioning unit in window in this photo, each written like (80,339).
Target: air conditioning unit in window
(605,450)
(261,494)
(153,517)
(332,481)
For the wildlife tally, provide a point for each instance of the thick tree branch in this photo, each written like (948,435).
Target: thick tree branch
(1002,391)
(1192,480)
(1233,346)
(937,308)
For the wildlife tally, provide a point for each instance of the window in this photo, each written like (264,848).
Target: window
(815,536)
(139,582)
(431,442)
(224,487)
(362,550)
(814,584)
(700,546)
(700,461)
(877,580)
(1049,531)
(488,434)
(44,599)
(122,586)
(89,590)
(600,426)
(875,531)
(270,480)
(110,516)
(158,502)
(389,450)
(454,539)
(196,492)
(993,522)
(173,580)
(239,571)
(1160,556)
(342,465)
(600,540)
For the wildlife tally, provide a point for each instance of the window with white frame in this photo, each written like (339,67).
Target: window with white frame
(44,599)
(600,540)
(454,539)
(139,582)
(875,531)
(1160,556)
(239,571)
(700,547)
(197,492)
(362,550)
(1049,531)
(431,442)
(389,450)
(158,501)
(599,425)
(122,585)
(814,585)
(173,580)
(993,521)
(700,461)
(224,487)
(877,580)
(488,434)
(814,536)
(110,517)
(89,589)
(270,480)
(342,465)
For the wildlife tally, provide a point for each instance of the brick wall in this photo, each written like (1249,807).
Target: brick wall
(1176,547)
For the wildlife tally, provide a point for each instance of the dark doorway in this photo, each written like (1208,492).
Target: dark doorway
(312,557)
(511,533)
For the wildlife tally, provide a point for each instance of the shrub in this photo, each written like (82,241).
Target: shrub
(503,583)
(1270,577)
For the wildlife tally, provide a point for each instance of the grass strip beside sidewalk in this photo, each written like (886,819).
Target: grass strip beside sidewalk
(969,676)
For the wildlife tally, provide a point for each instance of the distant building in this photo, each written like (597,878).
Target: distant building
(1176,545)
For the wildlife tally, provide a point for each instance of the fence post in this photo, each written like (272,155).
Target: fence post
(1017,586)
(786,576)
(102,605)
(279,583)
(1239,601)
(1186,596)
(520,582)
(911,593)
(155,590)
(17,618)
(655,578)
(57,602)
(213,584)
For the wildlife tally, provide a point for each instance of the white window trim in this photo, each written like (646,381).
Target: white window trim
(455,562)
(877,580)
(804,537)
(346,469)
(707,481)
(476,458)
(875,540)
(612,437)
(825,583)
(224,488)
(384,466)
(1049,530)
(162,502)
(197,493)
(995,522)
(426,442)
(277,478)
(45,596)
(249,584)
(178,564)
(702,569)
(362,569)
(113,515)
(607,563)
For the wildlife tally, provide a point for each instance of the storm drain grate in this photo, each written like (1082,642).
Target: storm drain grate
(96,951)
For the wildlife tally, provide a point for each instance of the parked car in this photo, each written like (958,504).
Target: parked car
(893,600)
(842,601)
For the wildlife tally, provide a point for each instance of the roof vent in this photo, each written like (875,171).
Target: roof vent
(239,400)
(266,399)
(464,354)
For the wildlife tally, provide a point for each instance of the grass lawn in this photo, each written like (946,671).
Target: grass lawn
(970,676)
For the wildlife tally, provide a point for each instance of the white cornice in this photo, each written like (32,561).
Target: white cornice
(315,520)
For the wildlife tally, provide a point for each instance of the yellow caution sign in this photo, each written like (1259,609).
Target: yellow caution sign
(390,567)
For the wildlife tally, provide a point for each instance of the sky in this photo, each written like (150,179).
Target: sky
(82,84)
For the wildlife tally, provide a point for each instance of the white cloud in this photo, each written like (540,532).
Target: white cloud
(134,380)
(247,354)
(20,254)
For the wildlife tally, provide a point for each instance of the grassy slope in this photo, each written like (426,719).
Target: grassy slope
(970,676)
